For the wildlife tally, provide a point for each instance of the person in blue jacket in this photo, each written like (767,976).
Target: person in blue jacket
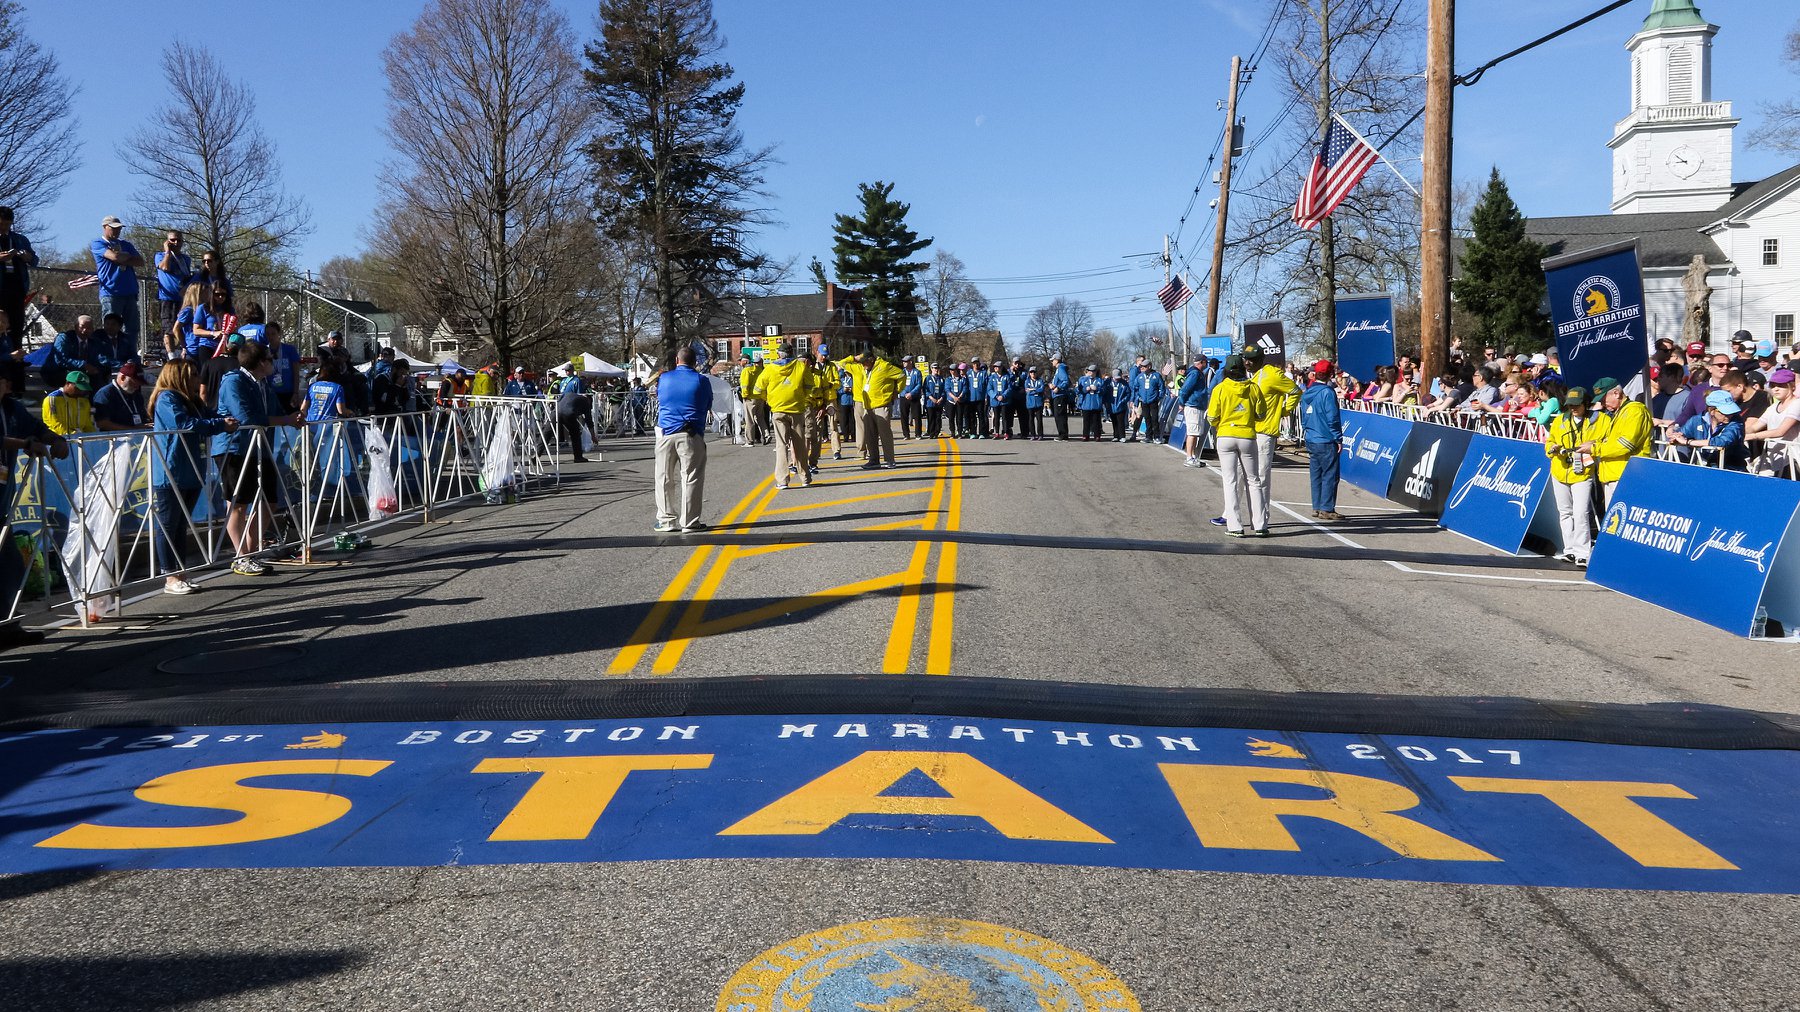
(1118,403)
(976,411)
(911,399)
(248,474)
(991,407)
(1322,427)
(178,465)
(956,395)
(846,411)
(1147,391)
(1193,396)
(933,389)
(1061,393)
(1032,422)
(1090,400)
(1000,386)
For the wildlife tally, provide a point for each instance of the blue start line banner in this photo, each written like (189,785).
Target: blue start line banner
(1365,334)
(1498,496)
(1597,307)
(1214,346)
(1539,813)
(1701,541)
(1371,447)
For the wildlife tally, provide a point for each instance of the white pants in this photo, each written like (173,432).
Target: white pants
(1265,464)
(680,478)
(1575,508)
(1234,454)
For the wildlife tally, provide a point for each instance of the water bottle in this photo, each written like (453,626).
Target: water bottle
(1759,623)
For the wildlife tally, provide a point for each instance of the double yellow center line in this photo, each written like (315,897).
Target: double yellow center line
(706,568)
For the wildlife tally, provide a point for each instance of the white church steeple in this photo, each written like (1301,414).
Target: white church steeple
(1673,153)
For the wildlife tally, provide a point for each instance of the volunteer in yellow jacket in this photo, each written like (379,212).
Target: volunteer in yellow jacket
(786,386)
(1236,410)
(1281,395)
(1629,433)
(877,383)
(1572,471)
(756,421)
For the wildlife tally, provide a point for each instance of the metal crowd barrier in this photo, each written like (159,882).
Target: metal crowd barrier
(99,523)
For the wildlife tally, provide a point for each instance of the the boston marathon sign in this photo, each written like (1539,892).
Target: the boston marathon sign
(872,786)
(1597,304)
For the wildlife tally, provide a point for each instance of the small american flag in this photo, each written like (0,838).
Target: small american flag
(1174,295)
(1341,163)
(85,281)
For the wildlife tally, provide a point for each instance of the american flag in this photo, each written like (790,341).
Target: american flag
(85,281)
(1341,163)
(1174,295)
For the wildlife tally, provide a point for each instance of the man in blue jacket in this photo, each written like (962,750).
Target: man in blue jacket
(1060,392)
(911,399)
(1000,384)
(1322,427)
(956,396)
(1147,390)
(976,413)
(1117,397)
(1195,392)
(933,388)
(1090,400)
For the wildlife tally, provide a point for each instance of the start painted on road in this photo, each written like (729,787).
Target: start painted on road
(859,786)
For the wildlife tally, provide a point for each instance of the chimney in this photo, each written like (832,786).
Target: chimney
(830,297)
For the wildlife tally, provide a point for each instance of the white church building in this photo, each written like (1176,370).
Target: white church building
(1673,192)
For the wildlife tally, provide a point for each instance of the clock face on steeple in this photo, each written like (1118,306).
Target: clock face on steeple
(1684,161)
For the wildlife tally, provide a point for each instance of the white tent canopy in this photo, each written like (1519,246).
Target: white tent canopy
(415,364)
(591,365)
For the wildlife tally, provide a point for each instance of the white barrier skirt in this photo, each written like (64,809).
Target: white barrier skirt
(90,553)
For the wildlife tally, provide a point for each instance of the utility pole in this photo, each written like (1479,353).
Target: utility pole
(1434,238)
(1170,316)
(1327,237)
(1218,264)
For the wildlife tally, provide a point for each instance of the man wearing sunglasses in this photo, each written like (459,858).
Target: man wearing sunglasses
(173,269)
(1702,381)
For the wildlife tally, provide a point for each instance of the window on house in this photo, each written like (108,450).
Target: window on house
(1784,329)
(1771,252)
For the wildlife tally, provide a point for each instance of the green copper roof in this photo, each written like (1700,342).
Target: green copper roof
(1673,14)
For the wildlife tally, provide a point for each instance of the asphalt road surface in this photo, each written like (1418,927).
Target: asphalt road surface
(1014,850)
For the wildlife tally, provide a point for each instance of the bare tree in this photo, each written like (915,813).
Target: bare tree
(673,171)
(1106,350)
(208,168)
(485,215)
(1350,57)
(950,303)
(1065,327)
(39,147)
(1780,130)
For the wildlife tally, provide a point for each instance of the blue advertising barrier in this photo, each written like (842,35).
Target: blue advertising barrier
(1365,334)
(1372,446)
(1215,346)
(1396,807)
(1498,495)
(1597,305)
(1427,467)
(1701,542)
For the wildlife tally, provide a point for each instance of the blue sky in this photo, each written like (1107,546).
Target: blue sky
(1052,145)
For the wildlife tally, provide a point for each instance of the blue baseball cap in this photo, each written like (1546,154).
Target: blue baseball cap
(1723,402)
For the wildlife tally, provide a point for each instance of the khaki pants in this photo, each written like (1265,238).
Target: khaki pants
(877,434)
(680,478)
(816,429)
(790,447)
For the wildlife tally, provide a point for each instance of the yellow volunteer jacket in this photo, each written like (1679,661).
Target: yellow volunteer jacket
(1566,433)
(876,386)
(748,378)
(786,386)
(824,385)
(68,416)
(1281,395)
(482,384)
(1236,410)
(1628,435)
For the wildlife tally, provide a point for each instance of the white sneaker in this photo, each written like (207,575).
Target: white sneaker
(248,567)
(179,587)
(1191,462)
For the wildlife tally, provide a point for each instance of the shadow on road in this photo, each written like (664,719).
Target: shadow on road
(140,984)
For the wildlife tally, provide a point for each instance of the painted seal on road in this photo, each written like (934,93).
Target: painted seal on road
(913,964)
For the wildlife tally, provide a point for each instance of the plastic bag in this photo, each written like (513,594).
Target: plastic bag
(384,496)
(587,439)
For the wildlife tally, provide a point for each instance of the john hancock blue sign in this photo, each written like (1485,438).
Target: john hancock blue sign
(1695,540)
(1365,334)
(1372,445)
(1597,304)
(1497,491)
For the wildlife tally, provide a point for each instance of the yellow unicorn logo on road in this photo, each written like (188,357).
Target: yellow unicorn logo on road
(324,739)
(1272,750)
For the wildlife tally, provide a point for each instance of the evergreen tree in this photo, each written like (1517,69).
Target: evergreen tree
(672,169)
(872,250)
(1502,283)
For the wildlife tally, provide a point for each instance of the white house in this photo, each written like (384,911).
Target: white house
(1673,192)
